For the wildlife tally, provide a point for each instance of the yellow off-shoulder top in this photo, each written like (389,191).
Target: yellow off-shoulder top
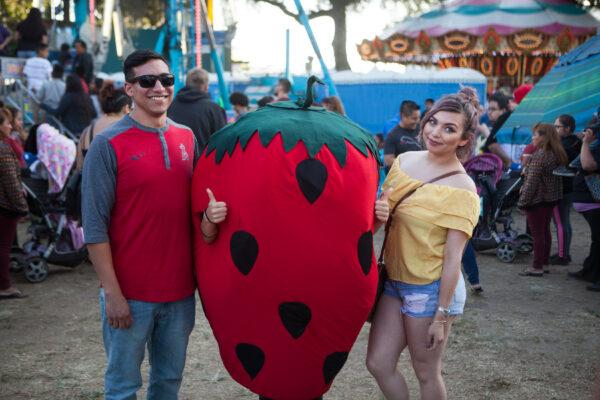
(415,247)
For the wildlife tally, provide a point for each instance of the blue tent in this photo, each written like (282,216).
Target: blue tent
(571,87)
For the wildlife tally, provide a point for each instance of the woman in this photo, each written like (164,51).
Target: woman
(115,104)
(541,191)
(334,104)
(12,206)
(75,109)
(425,290)
(19,131)
(30,33)
(584,203)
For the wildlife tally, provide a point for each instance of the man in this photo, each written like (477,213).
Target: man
(193,107)
(38,69)
(565,126)
(283,89)
(240,104)
(83,65)
(138,234)
(498,112)
(53,90)
(403,137)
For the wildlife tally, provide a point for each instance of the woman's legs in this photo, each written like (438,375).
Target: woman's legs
(7,236)
(538,220)
(387,339)
(426,363)
(469,261)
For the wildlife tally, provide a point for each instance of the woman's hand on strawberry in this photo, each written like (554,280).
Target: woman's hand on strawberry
(216,212)
(382,208)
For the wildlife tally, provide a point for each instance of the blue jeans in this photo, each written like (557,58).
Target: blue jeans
(164,328)
(469,262)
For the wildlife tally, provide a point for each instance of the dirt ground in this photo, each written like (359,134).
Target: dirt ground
(524,338)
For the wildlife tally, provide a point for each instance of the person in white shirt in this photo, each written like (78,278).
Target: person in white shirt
(38,69)
(53,90)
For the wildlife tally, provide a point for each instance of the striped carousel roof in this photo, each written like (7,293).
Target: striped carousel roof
(505,16)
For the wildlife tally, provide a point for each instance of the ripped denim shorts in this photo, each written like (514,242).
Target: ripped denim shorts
(421,301)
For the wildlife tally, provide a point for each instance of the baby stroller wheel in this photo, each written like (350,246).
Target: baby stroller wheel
(506,252)
(15,264)
(36,270)
(525,243)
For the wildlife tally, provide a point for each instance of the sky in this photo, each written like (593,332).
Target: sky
(260,37)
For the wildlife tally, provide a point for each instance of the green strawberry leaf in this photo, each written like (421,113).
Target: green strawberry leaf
(314,126)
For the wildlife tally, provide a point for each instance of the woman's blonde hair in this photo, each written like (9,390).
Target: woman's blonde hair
(465,102)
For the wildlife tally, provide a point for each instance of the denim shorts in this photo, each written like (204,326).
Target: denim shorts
(421,301)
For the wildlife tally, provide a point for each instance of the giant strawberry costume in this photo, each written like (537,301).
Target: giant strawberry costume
(290,280)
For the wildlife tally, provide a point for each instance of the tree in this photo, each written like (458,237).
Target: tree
(336,9)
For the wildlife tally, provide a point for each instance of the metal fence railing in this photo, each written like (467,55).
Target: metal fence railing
(16,93)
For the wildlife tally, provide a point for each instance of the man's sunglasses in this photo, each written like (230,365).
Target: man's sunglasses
(149,81)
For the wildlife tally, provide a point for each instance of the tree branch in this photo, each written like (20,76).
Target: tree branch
(286,11)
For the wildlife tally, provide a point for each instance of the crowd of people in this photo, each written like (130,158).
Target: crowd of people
(146,119)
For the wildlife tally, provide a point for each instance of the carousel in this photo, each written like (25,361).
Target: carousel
(506,40)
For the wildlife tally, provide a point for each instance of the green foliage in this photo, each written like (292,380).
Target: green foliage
(14,11)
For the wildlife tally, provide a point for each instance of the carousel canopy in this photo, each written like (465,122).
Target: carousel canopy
(506,17)
(513,38)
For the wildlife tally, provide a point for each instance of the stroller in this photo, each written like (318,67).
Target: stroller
(54,237)
(499,195)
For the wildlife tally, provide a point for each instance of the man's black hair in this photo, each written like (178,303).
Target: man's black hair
(264,101)
(57,71)
(42,46)
(567,121)
(239,99)
(501,99)
(137,58)
(429,101)
(285,84)
(407,107)
(81,42)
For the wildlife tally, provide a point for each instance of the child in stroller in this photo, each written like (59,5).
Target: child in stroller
(499,195)
(55,237)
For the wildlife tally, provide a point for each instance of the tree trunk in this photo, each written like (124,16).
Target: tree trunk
(338,13)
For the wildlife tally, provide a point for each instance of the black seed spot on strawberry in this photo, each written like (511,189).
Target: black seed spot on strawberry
(244,251)
(365,251)
(311,175)
(295,317)
(251,357)
(332,365)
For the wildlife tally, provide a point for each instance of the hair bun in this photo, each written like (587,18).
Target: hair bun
(106,92)
(470,95)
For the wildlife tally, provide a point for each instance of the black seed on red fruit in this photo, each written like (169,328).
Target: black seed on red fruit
(251,357)
(244,251)
(295,317)
(311,175)
(332,365)
(365,251)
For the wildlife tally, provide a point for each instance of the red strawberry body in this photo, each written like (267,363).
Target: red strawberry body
(291,278)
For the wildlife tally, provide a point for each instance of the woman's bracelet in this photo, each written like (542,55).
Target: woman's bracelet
(438,322)
(208,236)
(208,219)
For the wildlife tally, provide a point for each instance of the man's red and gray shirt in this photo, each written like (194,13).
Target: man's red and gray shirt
(136,196)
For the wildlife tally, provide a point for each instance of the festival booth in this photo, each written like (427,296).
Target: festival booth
(506,40)
(572,87)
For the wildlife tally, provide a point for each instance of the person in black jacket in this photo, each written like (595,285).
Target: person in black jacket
(193,108)
(83,63)
(75,109)
(565,126)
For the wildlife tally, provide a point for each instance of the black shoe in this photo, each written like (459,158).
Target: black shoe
(565,171)
(577,275)
(594,287)
(556,260)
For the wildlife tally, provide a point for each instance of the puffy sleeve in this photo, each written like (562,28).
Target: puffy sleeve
(450,208)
